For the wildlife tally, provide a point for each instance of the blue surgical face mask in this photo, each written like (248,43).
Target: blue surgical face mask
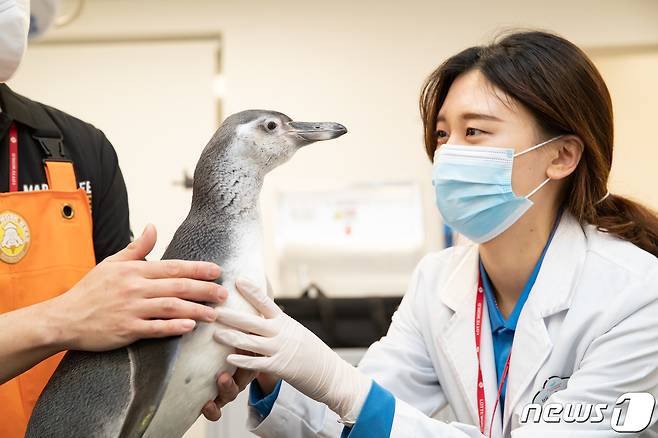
(473,186)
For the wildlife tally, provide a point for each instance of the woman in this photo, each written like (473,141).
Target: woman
(550,314)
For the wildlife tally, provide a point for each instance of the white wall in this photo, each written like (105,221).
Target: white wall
(157,123)
(632,77)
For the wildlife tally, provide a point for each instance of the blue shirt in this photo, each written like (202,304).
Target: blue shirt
(502,330)
(375,418)
(263,403)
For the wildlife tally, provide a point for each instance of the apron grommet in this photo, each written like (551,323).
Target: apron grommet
(67,211)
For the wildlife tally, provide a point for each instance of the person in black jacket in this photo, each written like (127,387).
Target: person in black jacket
(123,298)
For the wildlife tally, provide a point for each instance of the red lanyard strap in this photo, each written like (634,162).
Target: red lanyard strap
(13,157)
(481,406)
(59,169)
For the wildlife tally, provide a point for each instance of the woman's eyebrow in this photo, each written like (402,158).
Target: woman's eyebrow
(472,116)
(480,116)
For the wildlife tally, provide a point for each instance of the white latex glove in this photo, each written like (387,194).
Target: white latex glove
(291,352)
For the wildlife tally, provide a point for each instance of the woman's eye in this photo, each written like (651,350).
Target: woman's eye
(441,135)
(473,131)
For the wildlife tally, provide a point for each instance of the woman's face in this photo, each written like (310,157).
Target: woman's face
(476,113)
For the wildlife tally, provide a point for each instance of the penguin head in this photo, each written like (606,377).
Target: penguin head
(267,139)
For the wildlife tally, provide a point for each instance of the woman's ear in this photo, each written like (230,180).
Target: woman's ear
(569,151)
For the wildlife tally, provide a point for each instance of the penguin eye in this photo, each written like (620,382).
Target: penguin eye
(271,126)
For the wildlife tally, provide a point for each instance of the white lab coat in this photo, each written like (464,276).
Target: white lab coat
(592,316)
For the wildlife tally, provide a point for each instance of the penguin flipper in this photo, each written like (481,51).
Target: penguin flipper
(152,362)
(87,396)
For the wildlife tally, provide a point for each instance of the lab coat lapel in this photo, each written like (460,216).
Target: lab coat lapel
(457,337)
(551,294)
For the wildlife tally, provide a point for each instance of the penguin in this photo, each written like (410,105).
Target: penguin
(157,387)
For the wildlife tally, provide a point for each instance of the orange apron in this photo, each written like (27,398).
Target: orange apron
(46,246)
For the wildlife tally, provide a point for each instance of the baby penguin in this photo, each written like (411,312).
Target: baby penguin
(157,387)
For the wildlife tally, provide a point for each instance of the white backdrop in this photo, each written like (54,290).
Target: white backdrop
(153,100)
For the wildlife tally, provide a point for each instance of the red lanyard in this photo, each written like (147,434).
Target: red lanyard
(479,305)
(13,158)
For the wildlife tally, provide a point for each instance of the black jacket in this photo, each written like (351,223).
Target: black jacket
(94,159)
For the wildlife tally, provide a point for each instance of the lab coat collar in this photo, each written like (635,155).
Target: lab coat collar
(561,262)
(553,289)
(552,293)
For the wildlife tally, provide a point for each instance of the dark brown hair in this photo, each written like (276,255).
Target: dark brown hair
(564,91)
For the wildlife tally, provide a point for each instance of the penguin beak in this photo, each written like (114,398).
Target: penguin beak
(318,131)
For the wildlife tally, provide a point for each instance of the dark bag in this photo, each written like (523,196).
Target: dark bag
(342,322)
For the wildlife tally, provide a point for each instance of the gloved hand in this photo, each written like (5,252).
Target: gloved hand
(292,353)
